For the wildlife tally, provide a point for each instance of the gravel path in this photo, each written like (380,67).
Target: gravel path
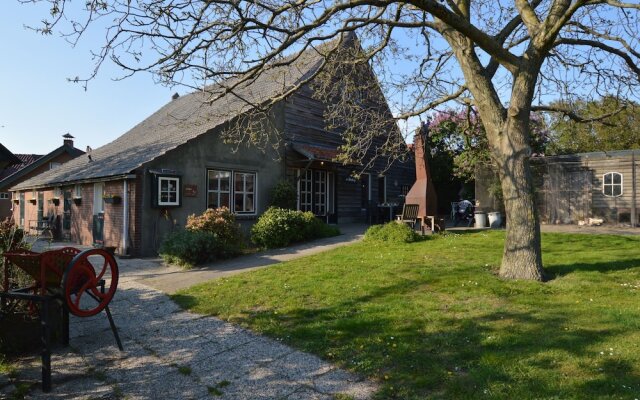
(173,354)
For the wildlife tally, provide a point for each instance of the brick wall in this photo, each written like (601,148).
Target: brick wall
(81,230)
(114,215)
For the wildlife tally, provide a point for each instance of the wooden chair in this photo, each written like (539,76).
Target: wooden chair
(43,226)
(409,215)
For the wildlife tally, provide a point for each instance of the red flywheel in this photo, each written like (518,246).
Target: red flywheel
(89,282)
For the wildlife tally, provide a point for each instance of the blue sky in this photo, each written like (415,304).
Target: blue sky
(38,105)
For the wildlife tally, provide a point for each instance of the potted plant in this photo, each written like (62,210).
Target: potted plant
(55,201)
(112,199)
(33,200)
(77,200)
(16,200)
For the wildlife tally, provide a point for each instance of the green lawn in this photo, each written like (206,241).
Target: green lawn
(432,319)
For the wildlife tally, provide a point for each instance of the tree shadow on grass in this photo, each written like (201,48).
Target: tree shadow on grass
(557,271)
(435,351)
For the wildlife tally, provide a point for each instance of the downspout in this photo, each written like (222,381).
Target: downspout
(125,219)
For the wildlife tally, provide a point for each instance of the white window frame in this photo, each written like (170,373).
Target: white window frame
(176,189)
(320,196)
(308,196)
(612,185)
(243,191)
(98,201)
(77,192)
(217,191)
(57,192)
(305,190)
(54,164)
(5,196)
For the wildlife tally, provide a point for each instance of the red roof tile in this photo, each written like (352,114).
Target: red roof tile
(27,159)
(318,153)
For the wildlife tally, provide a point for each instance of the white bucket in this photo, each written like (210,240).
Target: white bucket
(481,219)
(495,219)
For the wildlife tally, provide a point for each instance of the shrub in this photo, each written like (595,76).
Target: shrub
(391,232)
(11,239)
(279,227)
(188,248)
(209,236)
(284,195)
(219,221)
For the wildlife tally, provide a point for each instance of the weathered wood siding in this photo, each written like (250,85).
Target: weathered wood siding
(305,123)
(570,188)
(304,120)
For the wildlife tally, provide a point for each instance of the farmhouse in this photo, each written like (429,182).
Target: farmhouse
(132,192)
(15,168)
(570,189)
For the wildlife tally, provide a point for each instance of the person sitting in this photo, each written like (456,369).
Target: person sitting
(464,212)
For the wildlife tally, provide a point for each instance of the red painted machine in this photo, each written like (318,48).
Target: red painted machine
(84,281)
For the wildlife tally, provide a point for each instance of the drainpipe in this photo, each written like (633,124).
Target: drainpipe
(125,218)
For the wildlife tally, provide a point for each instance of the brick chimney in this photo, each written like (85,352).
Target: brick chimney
(422,192)
(68,140)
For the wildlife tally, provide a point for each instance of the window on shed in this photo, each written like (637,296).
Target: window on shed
(612,184)
(5,196)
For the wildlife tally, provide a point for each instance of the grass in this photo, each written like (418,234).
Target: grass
(6,366)
(432,320)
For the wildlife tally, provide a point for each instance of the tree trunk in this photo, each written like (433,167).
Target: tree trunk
(522,256)
(508,137)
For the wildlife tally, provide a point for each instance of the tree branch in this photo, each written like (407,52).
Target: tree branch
(612,50)
(571,114)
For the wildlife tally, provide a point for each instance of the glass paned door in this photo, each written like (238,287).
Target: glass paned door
(320,192)
(306,190)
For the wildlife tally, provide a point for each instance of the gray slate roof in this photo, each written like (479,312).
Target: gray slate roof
(178,122)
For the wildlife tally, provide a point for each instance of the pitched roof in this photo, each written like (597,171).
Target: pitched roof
(25,160)
(35,161)
(179,121)
(7,157)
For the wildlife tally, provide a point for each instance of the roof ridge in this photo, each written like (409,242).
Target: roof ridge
(180,121)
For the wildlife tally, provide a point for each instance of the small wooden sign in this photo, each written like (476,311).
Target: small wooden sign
(190,190)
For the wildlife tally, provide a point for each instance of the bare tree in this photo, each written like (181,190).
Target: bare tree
(504,58)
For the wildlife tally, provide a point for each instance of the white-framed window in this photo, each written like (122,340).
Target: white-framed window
(305,190)
(5,195)
(244,192)
(235,190)
(218,189)
(313,191)
(98,201)
(77,191)
(320,192)
(168,191)
(57,192)
(612,184)
(54,165)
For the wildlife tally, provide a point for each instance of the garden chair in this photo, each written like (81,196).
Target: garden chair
(43,226)
(409,215)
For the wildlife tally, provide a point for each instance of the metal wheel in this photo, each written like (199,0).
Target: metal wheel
(89,282)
